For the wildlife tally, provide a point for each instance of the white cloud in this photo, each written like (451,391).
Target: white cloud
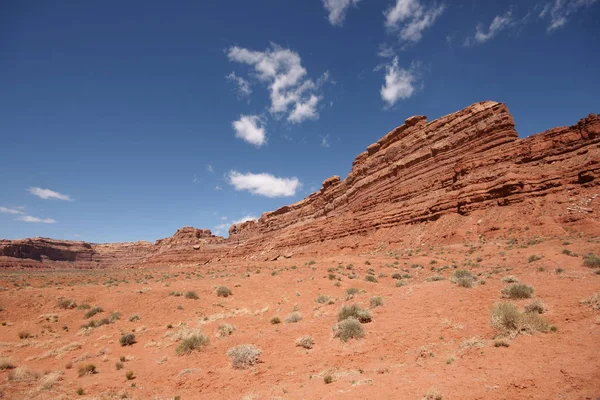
(243,86)
(5,210)
(399,83)
(306,110)
(264,184)
(337,10)
(221,229)
(325,141)
(409,18)
(291,93)
(210,168)
(251,129)
(244,219)
(29,218)
(498,24)
(218,188)
(558,11)
(48,194)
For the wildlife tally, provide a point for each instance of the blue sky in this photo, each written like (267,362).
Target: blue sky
(123,121)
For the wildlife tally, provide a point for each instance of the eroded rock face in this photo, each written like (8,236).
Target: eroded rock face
(463,174)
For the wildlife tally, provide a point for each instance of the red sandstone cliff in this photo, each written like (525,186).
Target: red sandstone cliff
(463,176)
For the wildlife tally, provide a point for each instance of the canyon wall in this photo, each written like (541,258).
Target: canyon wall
(464,173)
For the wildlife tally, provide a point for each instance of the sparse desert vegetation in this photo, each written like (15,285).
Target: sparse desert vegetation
(141,336)
(244,356)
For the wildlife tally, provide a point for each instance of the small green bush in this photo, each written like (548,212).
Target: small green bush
(88,369)
(591,260)
(275,320)
(370,278)
(127,340)
(354,311)
(130,375)
(507,318)
(194,341)
(93,311)
(327,379)
(535,307)
(66,304)
(223,291)
(534,257)
(322,299)
(191,295)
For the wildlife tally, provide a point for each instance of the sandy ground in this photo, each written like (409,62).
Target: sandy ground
(429,338)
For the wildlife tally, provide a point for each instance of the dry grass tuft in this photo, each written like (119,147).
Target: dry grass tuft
(592,301)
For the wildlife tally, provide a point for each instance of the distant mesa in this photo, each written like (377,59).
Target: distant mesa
(463,177)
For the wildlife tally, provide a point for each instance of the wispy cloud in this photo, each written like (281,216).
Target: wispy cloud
(337,10)
(29,218)
(5,210)
(221,229)
(325,141)
(291,92)
(559,11)
(264,184)
(244,219)
(210,168)
(498,24)
(399,83)
(409,18)
(47,194)
(242,85)
(251,129)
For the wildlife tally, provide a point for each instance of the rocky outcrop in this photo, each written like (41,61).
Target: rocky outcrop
(423,181)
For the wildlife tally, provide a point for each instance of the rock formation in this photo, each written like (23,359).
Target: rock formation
(464,176)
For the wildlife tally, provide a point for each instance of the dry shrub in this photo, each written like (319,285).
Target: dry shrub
(507,319)
(535,307)
(376,301)
(510,279)
(356,312)
(6,363)
(592,301)
(225,330)
(293,317)
(591,260)
(348,329)
(305,341)
(88,369)
(194,341)
(322,299)
(518,291)
(66,304)
(244,356)
(466,282)
(223,291)
(22,374)
(50,379)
